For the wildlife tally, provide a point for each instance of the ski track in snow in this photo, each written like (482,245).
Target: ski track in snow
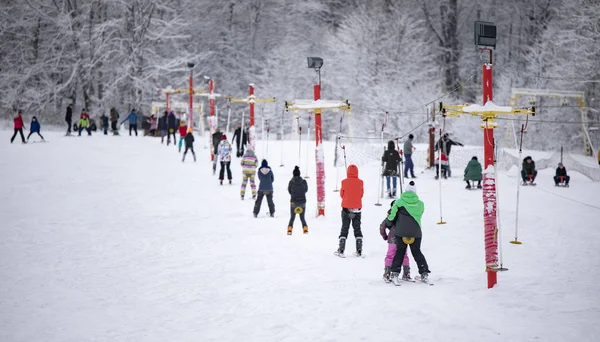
(115,239)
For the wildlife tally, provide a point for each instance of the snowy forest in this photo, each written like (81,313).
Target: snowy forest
(381,55)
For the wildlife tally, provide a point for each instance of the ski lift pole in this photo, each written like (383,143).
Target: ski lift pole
(307,147)
(228,115)
(380,183)
(516,240)
(241,141)
(299,145)
(282,138)
(401,166)
(440,174)
(498,228)
(337,169)
(268,129)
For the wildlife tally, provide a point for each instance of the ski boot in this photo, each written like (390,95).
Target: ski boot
(394,193)
(395,278)
(406,273)
(255,215)
(289,230)
(305,229)
(341,247)
(230,182)
(359,246)
(468,187)
(220,181)
(425,277)
(387,274)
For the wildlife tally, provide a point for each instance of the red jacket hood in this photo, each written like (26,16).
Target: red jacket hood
(352,171)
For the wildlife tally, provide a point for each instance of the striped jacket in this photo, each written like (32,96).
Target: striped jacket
(249,162)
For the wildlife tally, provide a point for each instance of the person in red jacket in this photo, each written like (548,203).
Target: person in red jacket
(18,127)
(352,192)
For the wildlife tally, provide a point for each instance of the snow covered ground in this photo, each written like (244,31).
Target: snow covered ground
(114,239)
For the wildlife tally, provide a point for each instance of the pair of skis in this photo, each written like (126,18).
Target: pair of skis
(342,255)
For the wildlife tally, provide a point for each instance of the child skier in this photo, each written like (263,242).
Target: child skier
(84,122)
(18,122)
(249,164)
(443,165)
(182,133)
(405,216)
(224,153)
(391,159)
(34,128)
(391,251)
(473,173)
(153,125)
(189,144)
(297,189)
(265,188)
(351,193)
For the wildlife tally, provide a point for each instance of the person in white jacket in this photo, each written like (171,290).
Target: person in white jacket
(224,155)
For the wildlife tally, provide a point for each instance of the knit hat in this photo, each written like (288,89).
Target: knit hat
(296,172)
(223,137)
(264,163)
(411,187)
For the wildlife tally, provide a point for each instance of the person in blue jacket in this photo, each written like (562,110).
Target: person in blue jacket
(132,117)
(265,188)
(35,128)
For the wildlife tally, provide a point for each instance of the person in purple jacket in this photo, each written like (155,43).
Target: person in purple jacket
(390,237)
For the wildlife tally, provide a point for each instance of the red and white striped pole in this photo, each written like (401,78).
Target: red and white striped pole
(191,119)
(319,155)
(489,185)
(250,129)
(211,102)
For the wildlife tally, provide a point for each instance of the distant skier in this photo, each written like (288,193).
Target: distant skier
(104,120)
(473,173)
(182,133)
(162,126)
(84,123)
(224,155)
(265,188)
(408,162)
(445,144)
(114,120)
(352,192)
(69,118)
(153,125)
(172,125)
(249,164)
(441,163)
(132,118)
(34,128)
(391,160)
(216,139)
(528,172)
(297,189)
(390,237)
(405,216)
(189,144)
(237,135)
(18,125)
(561,176)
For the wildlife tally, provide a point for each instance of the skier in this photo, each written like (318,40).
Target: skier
(189,144)
(224,153)
(473,173)
(216,139)
(406,215)
(84,123)
(104,119)
(297,189)
(34,128)
(561,176)
(162,126)
(172,125)
(443,166)
(182,133)
(237,135)
(153,125)
(249,164)
(18,124)
(265,188)
(390,159)
(390,237)
(445,144)
(132,117)
(408,163)
(69,117)
(114,119)
(351,193)
(528,173)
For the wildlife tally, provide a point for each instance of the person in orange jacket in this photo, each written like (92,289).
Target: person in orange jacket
(352,192)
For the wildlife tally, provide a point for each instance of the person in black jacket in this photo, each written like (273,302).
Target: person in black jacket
(216,140)
(237,134)
(445,144)
(561,175)
(189,144)
(390,160)
(297,189)
(104,120)
(69,118)
(172,125)
(162,126)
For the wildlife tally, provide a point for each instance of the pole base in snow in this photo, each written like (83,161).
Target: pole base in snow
(306,177)
(441,222)
(516,242)
(498,269)
(336,190)
(378,204)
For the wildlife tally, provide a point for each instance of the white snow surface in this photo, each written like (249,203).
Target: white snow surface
(488,107)
(115,239)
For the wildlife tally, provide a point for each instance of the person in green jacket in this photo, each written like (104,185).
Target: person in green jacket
(473,173)
(405,215)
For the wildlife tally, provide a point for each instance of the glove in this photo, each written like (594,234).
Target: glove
(383,233)
(388,223)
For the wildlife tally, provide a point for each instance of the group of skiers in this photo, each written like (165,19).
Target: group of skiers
(18,128)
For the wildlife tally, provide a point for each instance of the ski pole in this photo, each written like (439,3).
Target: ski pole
(440,178)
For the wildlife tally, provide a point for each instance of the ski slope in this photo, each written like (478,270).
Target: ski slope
(115,239)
